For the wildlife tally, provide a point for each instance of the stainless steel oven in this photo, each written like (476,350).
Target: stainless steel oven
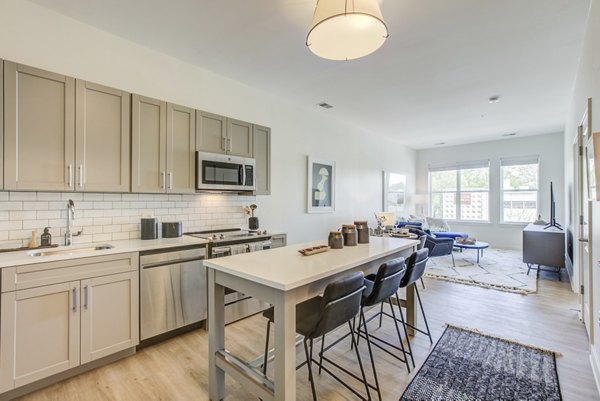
(232,242)
(216,172)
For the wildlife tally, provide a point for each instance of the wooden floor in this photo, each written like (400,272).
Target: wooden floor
(177,369)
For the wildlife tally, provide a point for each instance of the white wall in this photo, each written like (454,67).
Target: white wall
(547,147)
(36,36)
(587,84)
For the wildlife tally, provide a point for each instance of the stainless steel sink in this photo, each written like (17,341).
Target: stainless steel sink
(71,251)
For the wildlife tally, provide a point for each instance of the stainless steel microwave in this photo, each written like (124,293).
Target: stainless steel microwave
(216,172)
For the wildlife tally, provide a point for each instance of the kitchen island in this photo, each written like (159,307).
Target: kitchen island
(284,278)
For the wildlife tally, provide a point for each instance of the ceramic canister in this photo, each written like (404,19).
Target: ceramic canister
(335,241)
(349,234)
(363,231)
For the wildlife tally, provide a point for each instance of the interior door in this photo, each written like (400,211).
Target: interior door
(584,212)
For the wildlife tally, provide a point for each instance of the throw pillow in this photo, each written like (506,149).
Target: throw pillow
(438,225)
(416,219)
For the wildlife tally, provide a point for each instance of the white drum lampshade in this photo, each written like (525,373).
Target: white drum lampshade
(346,29)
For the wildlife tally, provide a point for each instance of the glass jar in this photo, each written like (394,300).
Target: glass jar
(350,235)
(363,231)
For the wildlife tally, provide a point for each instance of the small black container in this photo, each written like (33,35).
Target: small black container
(172,229)
(46,237)
(253,223)
(149,228)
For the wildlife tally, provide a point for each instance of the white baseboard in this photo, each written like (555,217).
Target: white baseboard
(595,361)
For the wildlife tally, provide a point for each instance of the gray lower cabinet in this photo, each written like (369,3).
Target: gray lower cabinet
(163,143)
(63,134)
(59,315)
(39,125)
(262,153)
(219,134)
(102,156)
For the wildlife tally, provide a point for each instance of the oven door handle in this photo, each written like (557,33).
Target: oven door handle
(220,250)
(170,262)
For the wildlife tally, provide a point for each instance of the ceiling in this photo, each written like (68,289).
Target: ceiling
(429,83)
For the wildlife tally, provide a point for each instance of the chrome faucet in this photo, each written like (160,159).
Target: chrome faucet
(70,217)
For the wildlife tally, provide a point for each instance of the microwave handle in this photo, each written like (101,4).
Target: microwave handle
(244,175)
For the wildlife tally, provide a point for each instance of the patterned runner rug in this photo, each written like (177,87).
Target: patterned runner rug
(500,269)
(467,365)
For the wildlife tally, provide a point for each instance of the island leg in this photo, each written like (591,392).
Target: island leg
(285,347)
(216,336)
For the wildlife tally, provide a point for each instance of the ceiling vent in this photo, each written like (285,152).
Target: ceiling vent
(325,105)
(510,134)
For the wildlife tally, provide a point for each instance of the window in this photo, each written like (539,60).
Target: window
(519,189)
(460,191)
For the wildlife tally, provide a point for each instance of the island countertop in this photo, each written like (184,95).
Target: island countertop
(285,268)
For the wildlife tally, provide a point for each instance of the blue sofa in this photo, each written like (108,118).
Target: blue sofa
(436,234)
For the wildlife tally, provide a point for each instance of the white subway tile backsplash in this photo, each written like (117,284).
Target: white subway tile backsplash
(106,217)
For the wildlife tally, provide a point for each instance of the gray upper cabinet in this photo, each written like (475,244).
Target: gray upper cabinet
(1,125)
(181,145)
(148,144)
(219,134)
(102,158)
(211,132)
(39,124)
(163,144)
(262,153)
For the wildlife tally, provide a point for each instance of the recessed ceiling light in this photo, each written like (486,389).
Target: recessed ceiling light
(510,134)
(494,99)
(325,105)
(440,143)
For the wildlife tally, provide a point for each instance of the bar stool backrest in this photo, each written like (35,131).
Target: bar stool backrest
(415,267)
(387,281)
(340,303)
(422,239)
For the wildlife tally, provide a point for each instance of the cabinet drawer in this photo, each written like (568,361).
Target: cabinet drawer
(40,274)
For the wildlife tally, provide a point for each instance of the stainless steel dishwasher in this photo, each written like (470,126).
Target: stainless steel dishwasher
(172,290)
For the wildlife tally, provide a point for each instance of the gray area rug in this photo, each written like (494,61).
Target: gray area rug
(467,365)
(499,269)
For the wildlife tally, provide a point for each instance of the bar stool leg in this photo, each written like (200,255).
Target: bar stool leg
(321,354)
(405,331)
(309,365)
(423,313)
(399,336)
(362,370)
(264,367)
(380,315)
(362,315)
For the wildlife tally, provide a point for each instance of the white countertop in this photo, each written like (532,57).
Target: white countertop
(285,268)
(19,258)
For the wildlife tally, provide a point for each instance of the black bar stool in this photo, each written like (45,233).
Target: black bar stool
(316,317)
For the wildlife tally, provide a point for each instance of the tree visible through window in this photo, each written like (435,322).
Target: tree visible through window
(460,194)
(519,192)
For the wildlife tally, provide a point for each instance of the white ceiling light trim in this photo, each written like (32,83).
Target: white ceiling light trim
(346,29)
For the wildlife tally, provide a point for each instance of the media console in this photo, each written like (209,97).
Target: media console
(544,247)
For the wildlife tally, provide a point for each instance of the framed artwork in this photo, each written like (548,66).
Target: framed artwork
(394,192)
(321,186)
(592,157)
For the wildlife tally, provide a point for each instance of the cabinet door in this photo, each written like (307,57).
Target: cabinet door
(102,138)
(239,135)
(39,125)
(211,132)
(109,315)
(262,154)
(40,333)
(148,141)
(181,149)
(1,127)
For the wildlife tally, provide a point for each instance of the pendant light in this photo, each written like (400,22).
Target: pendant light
(346,29)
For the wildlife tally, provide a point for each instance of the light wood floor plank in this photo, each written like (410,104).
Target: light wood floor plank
(177,369)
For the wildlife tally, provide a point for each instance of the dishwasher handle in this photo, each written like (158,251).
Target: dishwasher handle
(171,262)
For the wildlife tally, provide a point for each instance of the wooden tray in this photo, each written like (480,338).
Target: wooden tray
(313,250)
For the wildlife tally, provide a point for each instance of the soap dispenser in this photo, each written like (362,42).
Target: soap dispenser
(46,237)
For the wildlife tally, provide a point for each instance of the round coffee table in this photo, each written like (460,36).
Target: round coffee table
(479,246)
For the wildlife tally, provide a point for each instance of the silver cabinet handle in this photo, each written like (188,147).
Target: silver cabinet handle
(583,240)
(224,146)
(85,297)
(74,290)
(162,180)
(80,171)
(170,179)
(70,175)
(230,144)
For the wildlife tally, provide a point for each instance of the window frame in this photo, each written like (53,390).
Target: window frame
(458,192)
(510,163)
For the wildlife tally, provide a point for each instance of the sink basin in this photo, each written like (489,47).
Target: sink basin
(71,251)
